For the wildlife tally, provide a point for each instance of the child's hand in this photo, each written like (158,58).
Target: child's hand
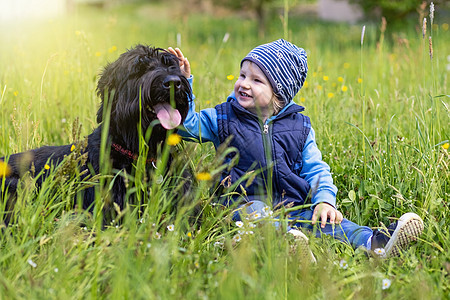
(185,66)
(325,211)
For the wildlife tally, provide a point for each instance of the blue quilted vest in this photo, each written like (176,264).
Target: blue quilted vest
(270,155)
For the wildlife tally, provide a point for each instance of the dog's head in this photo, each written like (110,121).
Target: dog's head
(143,85)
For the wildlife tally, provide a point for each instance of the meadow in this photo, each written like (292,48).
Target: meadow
(380,109)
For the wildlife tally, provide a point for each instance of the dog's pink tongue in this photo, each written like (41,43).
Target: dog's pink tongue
(167,115)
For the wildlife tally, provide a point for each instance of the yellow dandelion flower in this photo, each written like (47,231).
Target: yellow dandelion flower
(319,87)
(47,167)
(444,26)
(189,234)
(325,78)
(341,79)
(305,85)
(16,93)
(203,176)
(173,139)
(359,80)
(302,99)
(344,88)
(72,148)
(445,146)
(5,169)
(112,49)
(346,65)
(330,95)
(208,102)
(98,54)
(230,77)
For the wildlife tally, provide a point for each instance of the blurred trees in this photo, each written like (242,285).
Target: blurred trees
(394,11)
(256,7)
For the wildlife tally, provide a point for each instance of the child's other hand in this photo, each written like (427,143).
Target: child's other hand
(185,66)
(325,211)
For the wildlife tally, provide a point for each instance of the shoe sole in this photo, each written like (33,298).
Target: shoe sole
(409,228)
(303,245)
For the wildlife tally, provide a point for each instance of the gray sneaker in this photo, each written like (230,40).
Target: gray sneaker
(302,244)
(398,236)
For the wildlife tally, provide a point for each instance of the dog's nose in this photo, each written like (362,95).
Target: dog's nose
(172,79)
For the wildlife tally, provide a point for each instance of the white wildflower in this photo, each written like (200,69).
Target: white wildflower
(157,235)
(31,263)
(267,211)
(239,224)
(380,252)
(237,238)
(256,216)
(386,283)
(171,227)
(343,264)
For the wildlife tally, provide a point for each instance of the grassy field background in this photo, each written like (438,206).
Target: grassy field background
(381,115)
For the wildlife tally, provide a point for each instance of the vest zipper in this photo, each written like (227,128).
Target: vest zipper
(267,144)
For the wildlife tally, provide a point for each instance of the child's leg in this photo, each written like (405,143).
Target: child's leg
(346,231)
(254,208)
(398,235)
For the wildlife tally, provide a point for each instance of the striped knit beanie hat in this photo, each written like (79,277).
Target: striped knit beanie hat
(284,65)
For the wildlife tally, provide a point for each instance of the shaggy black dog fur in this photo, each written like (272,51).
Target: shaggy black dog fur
(140,87)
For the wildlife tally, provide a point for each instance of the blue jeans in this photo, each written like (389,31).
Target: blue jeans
(346,231)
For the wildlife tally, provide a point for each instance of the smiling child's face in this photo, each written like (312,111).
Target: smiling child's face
(253,90)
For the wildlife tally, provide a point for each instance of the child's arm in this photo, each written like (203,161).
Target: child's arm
(201,127)
(325,211)
(318,175)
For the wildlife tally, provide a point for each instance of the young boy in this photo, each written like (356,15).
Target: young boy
(277,142)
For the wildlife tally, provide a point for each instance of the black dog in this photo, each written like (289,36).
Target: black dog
(145,87)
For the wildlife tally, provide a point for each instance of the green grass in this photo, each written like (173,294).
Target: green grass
(393,163)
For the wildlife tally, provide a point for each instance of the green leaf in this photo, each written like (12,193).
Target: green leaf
(352,195)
